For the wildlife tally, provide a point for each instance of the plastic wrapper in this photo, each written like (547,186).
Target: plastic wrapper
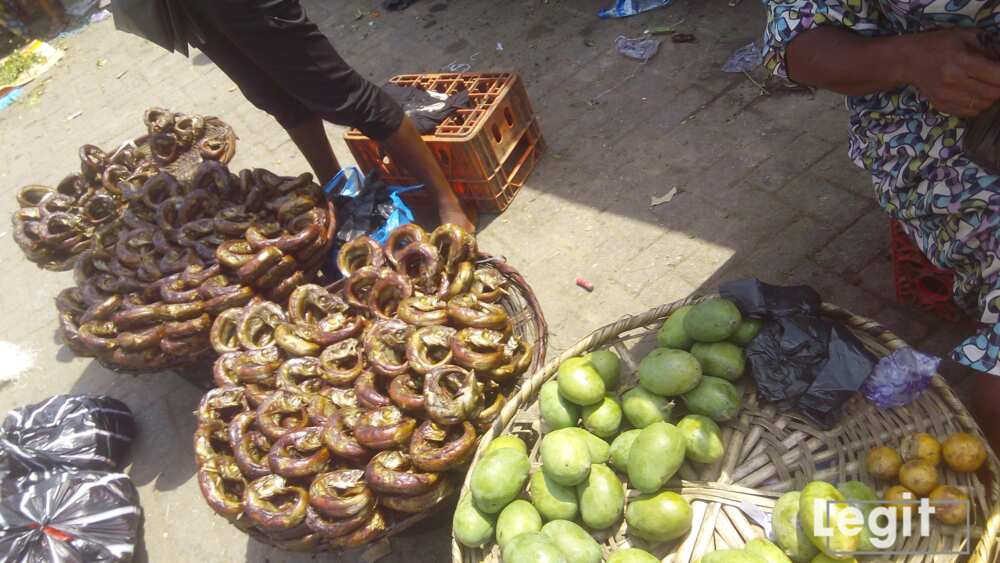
(79,517)
(625,8)
(427,108)
(65,432)
(900,378)
(800,360)
(639,48)
(744,59)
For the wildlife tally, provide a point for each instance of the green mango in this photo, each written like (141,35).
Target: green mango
(608,366)
(814,506)
(621,448)
(659,518)
(579,382)
(565,457)
(643,408)
(715,398)
(556,411)
(712,320)
(703,438)
(788,529)
(632,555)
(656,455)
(669,372)
(671,334)
(553,501)
(603,419)
(576,543)
(507,441)
(732,556)
(471,526)
(498,478)
(767,551)
(602,498)
(518,517)
(533,548)
(858,491)
(720,359)
(826,559)
(599,449)
(745,332)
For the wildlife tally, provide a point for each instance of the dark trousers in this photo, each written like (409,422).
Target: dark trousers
(285,66)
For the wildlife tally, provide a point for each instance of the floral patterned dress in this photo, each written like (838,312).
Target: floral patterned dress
(944,201)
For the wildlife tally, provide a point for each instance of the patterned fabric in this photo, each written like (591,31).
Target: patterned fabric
(944,201)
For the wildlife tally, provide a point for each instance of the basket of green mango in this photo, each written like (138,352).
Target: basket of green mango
(645,442)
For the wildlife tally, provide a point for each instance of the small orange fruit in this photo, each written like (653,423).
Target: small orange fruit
(883,462)
(950,512)
(964,452)
(897,493)
(921,446)
(918,476)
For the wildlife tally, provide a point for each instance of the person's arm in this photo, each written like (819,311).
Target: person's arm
(948,66)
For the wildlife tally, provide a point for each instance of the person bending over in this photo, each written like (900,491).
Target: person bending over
(914,71)
(285,66)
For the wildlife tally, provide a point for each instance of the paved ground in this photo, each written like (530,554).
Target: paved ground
(765,189)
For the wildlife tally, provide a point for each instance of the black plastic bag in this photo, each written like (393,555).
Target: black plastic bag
(71,517)
(427,109)
(65,432)
(800,360)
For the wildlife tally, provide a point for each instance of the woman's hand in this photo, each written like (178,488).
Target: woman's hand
(950,68)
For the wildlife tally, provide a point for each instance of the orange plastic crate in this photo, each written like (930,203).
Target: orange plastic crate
(486,151)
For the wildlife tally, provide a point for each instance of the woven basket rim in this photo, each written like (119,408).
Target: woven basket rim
(600,336)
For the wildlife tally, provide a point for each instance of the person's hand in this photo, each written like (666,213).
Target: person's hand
(951,70)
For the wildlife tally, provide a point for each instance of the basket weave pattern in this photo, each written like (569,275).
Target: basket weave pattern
(769,453)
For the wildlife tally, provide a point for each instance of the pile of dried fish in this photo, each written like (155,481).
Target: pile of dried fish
(183,252)
(54,226)
(348,409)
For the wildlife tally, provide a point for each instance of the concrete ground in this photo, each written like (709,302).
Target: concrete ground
(765,189)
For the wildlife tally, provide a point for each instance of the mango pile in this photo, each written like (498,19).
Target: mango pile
(598,434)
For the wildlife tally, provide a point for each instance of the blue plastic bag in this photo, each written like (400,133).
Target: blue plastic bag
(364,206)
(625,8)
(350,183)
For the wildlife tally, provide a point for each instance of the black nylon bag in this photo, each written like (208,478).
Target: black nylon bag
(70,517)
(66,432)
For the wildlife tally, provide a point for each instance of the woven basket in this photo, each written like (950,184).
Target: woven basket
(769,453)
(528,323)
(187,162)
